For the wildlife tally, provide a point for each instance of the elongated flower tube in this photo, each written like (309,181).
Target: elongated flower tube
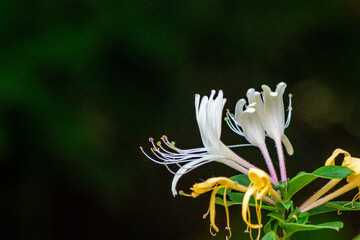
(217,183)
(259,187)
(270,109)
(329,162)
(209,118)
(353,181)
(252,129)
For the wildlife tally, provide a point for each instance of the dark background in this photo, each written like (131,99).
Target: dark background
(84,83)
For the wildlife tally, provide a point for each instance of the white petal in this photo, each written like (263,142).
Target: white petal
(184,169)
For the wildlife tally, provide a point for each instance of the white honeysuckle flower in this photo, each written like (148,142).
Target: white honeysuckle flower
(209,118)
(270,109)
(247,124)
(250,123)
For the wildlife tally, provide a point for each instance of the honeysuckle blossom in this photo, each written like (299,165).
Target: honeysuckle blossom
(263,116)
(252,129)
(353,182)
(249,122)
(260,186)
(270,110)
(209,118)
(214,185)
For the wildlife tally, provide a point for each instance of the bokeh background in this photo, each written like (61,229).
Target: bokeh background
(83,84)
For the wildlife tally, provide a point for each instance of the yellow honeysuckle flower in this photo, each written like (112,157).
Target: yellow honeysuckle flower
(259,187)
(215,184)
(350,162)
(353,182)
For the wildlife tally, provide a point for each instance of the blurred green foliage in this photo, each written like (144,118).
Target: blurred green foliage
(84,83)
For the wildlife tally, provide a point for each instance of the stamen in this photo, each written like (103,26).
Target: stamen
(164,137)
(211,232)
(233,125)
(167,167)
(289,111)
(356,197)
(156,161)
(240,145)
(184,194)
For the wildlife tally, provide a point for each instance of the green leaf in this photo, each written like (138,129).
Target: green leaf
(220,201)
(286,205)
(238,197)
(277,216)
(291,228)
(333,172)
(270,236)
(357,237)
(303,217)
(282,188)
(303,178)
(242,179)
(267,228)
(335,206)
(221,191)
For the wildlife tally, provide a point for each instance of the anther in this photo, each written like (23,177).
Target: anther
(151,139)
(213,234)
(290,108)
(290,95)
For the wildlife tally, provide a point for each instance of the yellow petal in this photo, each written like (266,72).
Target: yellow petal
(259,187)
(353,164)
(208,185)
(331,159)
(246,209)
(260,182)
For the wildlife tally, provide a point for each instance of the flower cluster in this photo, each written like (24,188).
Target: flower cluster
(261,116)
